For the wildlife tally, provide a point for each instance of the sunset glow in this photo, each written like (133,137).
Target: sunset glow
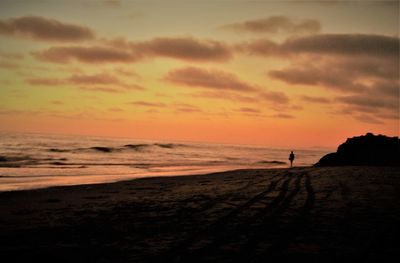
(250,72)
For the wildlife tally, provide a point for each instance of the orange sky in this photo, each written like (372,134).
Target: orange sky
(283,74)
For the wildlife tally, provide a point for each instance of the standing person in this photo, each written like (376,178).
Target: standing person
(291,158)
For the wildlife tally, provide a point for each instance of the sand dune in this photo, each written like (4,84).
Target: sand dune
(319,214)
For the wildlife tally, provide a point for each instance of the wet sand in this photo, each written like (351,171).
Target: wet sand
(315,214)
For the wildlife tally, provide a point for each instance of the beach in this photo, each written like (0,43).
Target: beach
(308,213)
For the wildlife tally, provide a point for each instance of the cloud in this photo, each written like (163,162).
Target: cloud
(11,111)
(262,47)
(310,75)
(95,82)
(122,51)
(367,101)
(212,94)
(305,76)
(8,65)
(217,84)
(127,73)
(249,110)
(370,108)
(296,107)
(184,48)
(316,99)
(45,81)
(57,102)
(209,79)
(326,44)
(369,88)
(386,68)
(275,97)
(368,119)
(344,44)
(44,29)
(112,3)
(341,74)
(101,89)
(91,55)
(102,79)
(283,116)
(276,24)
(115,109)
(7,55)
(147,104)
(391,116)
(363,69)
(186,108)
(390,88)
(366,87)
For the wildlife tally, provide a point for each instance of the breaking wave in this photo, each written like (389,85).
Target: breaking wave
(106,149)
(106,159)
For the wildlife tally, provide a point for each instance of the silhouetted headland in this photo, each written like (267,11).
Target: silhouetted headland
(367,150)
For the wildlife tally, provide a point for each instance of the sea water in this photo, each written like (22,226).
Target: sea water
(29,161)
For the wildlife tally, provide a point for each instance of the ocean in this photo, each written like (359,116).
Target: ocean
(30,161)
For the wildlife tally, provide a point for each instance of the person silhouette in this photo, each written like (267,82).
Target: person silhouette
(291,158)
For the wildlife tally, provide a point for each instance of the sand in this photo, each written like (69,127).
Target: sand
(316,214)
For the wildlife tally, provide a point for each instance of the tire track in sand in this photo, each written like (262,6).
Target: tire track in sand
(181,251)
(227,197)
(299,224)
(221,230)
(267,220)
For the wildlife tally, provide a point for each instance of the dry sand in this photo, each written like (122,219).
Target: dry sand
(317,214)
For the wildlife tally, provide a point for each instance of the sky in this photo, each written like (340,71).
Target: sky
(273,73)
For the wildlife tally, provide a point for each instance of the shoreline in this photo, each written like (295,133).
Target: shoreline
(326,213)
(204,172)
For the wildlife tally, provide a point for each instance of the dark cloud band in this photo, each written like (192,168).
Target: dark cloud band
(45,29)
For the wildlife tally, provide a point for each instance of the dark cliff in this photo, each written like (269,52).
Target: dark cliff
(370,149)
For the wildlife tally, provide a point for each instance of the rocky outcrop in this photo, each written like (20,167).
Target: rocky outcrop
(370,149)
